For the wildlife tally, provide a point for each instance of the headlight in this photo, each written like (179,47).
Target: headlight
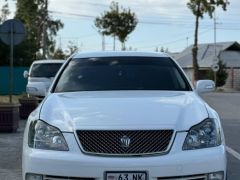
(44,136)
(204,135)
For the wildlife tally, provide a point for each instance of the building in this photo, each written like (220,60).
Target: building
(227,52)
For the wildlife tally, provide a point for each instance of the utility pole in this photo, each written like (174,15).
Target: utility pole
(114,42)
(187,40)
(60,42)
(215,44)
(44,37)
(215,34)
(103,42)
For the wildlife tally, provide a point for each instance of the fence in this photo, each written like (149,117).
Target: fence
(19,82)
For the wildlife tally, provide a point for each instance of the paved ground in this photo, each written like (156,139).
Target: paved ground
(10,154)
(228,106)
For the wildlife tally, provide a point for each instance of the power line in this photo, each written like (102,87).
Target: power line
(171,42)
(174,23)
(177,22)
(79,37)
(230,29)
(72,14)
(95,4)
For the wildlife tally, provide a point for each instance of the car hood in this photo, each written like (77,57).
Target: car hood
(128,110)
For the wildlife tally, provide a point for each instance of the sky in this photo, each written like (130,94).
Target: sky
(162,23)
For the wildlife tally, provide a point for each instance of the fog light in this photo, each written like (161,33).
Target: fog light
(34,177)
(216,176)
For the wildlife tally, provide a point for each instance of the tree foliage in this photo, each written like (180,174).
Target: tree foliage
(59,54)
(4,13)
(117,22)
(162,49)
(4,49)
(199,8)
(221,75)
(34,14)
(72,48)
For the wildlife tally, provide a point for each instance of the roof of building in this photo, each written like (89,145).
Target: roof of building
(228,52)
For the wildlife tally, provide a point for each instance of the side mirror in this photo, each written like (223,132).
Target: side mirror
(204,86)
(25,74)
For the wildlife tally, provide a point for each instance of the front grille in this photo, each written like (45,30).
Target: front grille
(132,142)
(194,177)
(64,178)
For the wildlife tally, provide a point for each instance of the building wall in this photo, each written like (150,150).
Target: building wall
(233,80)
(189,73)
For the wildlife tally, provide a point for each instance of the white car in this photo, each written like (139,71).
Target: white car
(124,116)
(40,76)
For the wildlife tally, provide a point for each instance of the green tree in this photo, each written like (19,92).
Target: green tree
(4,49)
(127,24)
(4,13)
(117,22)
(199,8)
(162,49)
(59,54)
(72,48)
(41,29)
(221,74)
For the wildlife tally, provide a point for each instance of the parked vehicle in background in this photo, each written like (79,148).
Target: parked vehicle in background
(124,116)
(40,76)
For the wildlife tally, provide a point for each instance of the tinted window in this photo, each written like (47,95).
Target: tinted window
(121,73)
(45,70)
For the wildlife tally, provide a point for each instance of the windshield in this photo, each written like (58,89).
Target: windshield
(45,69)
(121,73)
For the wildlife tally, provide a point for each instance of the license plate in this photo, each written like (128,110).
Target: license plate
(126,176)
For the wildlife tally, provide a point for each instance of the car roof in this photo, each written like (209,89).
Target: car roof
(48,61)
(118,53)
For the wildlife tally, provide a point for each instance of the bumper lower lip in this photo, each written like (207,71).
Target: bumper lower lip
(74,163)
(209,176)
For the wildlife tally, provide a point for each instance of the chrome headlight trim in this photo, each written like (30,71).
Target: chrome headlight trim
(42,135)
(206,134)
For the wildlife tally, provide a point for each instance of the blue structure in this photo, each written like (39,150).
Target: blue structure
(19,82)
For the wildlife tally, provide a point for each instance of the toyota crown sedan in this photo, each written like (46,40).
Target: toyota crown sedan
(124,116)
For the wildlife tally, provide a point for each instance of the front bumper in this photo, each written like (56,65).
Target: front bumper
(37,89)
(74,163)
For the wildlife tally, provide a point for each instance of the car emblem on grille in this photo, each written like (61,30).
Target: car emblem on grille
(125,141)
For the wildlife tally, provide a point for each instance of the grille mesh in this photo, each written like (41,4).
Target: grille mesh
(115,142)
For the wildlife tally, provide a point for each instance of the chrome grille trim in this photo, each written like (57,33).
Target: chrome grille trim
(107,142)
(47,177)
(193,177)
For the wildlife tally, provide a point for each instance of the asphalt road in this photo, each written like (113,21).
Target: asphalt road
(226,104)
(228,107)
(10,154)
